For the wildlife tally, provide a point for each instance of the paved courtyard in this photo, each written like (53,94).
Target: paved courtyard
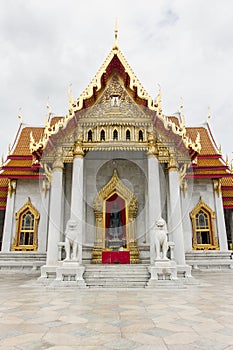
(34,317)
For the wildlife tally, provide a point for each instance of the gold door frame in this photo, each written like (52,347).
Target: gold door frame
(115,185)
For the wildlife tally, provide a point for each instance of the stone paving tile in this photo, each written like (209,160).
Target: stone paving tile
(35,317)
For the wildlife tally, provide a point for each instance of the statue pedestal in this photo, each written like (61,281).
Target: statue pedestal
(163,270)
(70,273)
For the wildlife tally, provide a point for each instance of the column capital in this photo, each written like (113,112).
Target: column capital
(152,149)
(12,187)
(78,149)
(58,162)
(172,165)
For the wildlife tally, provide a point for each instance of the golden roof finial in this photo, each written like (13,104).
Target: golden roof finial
(70,94)
(20,117)
(220,149)
(9,149)
(115,46)
(181,106)
(48,109)
(227,160)
(208,116)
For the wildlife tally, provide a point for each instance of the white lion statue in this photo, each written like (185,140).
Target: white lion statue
(72,245)
(160,236)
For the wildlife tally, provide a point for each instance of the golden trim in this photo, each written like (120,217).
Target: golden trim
(16,244)
(217,186)
(214,245)
(115,185)
(134,84)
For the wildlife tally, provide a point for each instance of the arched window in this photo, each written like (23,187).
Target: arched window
(102,135)
(127,135)
(115,135)
(89,135)
(140,135)
(204,237)
(27,219)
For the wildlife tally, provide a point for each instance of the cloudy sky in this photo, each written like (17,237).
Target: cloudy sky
(186,46)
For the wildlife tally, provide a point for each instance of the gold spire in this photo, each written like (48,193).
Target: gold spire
(181,107)
(115,46)
(48,109)
(71,99)
(220,149)
(20,116)
(208,116)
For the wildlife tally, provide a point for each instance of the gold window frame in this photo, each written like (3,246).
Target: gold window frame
(213,244)
(16,246)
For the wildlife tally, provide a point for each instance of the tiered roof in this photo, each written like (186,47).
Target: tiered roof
(3,193)
(19,162)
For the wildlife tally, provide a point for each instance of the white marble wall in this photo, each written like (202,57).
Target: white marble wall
(200,188)
(33,189)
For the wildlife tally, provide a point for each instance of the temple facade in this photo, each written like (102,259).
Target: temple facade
(115,164)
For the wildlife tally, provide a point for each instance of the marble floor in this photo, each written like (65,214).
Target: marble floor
(34,317)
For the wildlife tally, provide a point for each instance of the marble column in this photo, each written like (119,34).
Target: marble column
(9,218)
(220,221)
(175,219)
(77,194)
(55,214)
(154,200)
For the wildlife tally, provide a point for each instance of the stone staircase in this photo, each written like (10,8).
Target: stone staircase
(209,260)
(116,276)
(21,262)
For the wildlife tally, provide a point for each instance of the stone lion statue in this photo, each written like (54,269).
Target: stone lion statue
(71,241)
(160,236)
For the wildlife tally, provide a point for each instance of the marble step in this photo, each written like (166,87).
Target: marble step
(209,260)
(21,261)
(116,276)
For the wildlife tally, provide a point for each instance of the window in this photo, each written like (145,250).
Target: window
(115,101)
(204,237)
(127,135)
(89,135)
(202,227)
(140,135)
(27,229)
(27,219)
(115,135)
(102,135)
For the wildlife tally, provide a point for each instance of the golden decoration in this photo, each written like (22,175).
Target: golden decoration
(115,185)
(11,187)
(213,245)
(16,246)
(134,84)
(217,186)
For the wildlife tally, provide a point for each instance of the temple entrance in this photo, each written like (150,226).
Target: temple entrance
(115,222)
(115,211)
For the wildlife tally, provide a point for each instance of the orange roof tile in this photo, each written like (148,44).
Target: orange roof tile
(3,182)
(227,181)
(54,120)
(207,145)
(19,163)
(23,142)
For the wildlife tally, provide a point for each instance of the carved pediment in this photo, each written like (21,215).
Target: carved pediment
(115,185)
(114,104)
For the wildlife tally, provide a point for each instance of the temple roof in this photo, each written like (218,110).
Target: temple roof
(3,193)
(19,162)
(116,63)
